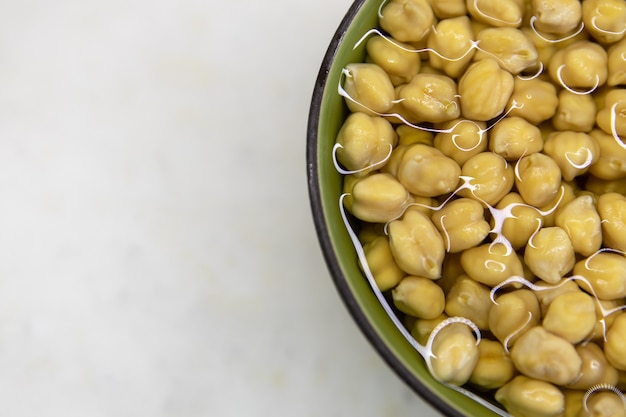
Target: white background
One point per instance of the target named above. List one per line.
(157, 254)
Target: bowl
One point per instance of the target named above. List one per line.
(327, 113)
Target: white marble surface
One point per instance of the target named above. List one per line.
(157, 252)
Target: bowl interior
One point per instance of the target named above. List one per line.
(327, 113)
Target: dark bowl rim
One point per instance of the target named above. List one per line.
(332, 262)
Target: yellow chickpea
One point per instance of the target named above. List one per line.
(380, 261)
(462, 224)
(419, 297)
(461, 139)
(447, 9)
(485, 89)
(548, 292)
(528, 397)
(378, 198)
(535, 100)
(470, 299)
(550, 254)
(574, 152)
(502, 13)
(430, 98)
(369, 88)
(416, 245)
(581, 221)
(520, 220)
(617, 64)
(455, 354)
(451, 45)
(559, 17)
(515, 313)
(605, 403)
(595, 369)
(615, 345)
(510, 47)
(612, 211)
(494, 367)
(514, 137)
(422, 161)
(605, 273)
(613, 115)
(396, 58)
(572, 316)
(611, 164)
(575, 112)
(491, 177)
(538, 179)
(407, 20)
(598, 186)
(582, 65)
(421, 329)
(491, 264)
(605, 20)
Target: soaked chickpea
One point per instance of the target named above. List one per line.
(370, 89)
(535, 100)
(617, 64)
(422, 161)
(494, 367)
(430, 98)
(451, 45)
(462, 224)
(514, 314)
(419, 297)
(510, 47)
(502, 13)
(581, 65)
(461, 139)
(605, 19)
(396, 58)
(612, 211)
(559, 17)
(527, 397)
(538, 179)
(515, 137)
(574, 152)
(575, 112)
(490, 177)
(407, 20)
(485, 89)
(550, 254)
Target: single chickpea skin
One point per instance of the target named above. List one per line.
(485, 90)
(559, 17)
(430, 98)
(575, 112)
(419, 297)
(491, 178)
(574, 152)
(364, 142)
(581, 221)
(514, 314)
(527, 397)
(470, 299)
(502, 13)
(396, 58)
(611, 164)
(455, 354)
(538, 179)
(605, 20)
(518, 220)
(494, 367)
(416, 245)
(542, 355)
(572, 316)
(514, 137)
(581, 65)
(407, 20)
(511, 48)
(422, 161)
(378, 198)
(615, 344)
(595, 370)
(462, 224)
(617, 64)
(605, 272)
(451, 45)
(613, 114)
(461, 139)
(369, 88)
(612, 211)
(383, 267)
(535, 100)
(491, 264)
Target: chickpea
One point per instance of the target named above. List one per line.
(369, 87)
(617, 64)
(615, 344)
(612, 211)
(485, 89)
(422, 161)
(419, 297)
(510, 47)
(380, 261)
(446, 9)
(491, 264)
(408, 135)
(573, 402)
(581, 221)
(566, 194)
(572, 316)
(491, 177)
(407, 20)
(574, 152)
(614, 108)
(605, 20)
(595, 370)
(545, 48)
(494, 367)
(522, 222)
(549, 292)
(396, 58)
(550, 254)
(451, 45)
(604, 321)
(422, 328)
(462, 224)
(514, 314)
(599, 186)
(461, 139)
(611, 164)
(378, 198)
(527, 397)
(583, 64)
(538, 180)
(558, 17)
(535, 100)
(430, 98)
(605, 403)
(514, 137)
(416, 245)
(606, 274)
(365, 141)
(501, 13)
(575, 112)
(470, 299)
(455, 354)
(451, 271)
(545, 356)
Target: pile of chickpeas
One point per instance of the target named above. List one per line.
(483, 160)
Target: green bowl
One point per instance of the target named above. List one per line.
(326, 116)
